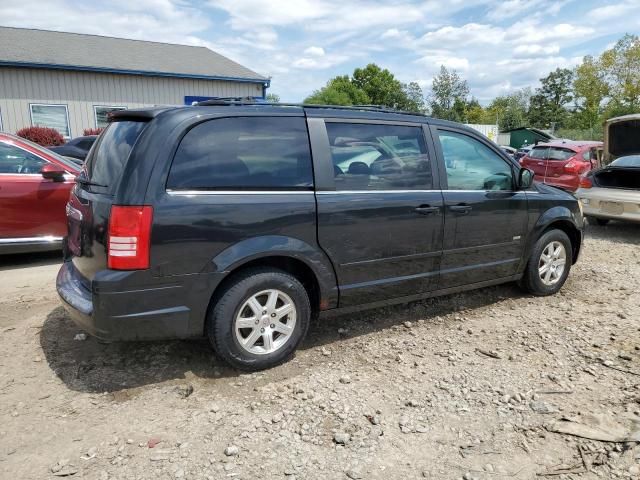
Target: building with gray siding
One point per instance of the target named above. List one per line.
(71, 81)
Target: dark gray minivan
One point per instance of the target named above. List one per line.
(241, 222)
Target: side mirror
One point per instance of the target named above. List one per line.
(52, 172)
(525, 178)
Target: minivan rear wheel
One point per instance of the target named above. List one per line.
(259, 319)
(549, 264)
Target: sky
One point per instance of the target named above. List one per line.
(497, 45)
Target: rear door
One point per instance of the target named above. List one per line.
(485, 216)
(30, 205)
(379, 207)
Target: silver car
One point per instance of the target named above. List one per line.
(613, 192)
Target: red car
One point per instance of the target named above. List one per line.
(34, 189)
(561, 163)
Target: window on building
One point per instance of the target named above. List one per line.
(471, 165)
(17, 161)
(251, 153)
(379, 157)
(102, 112)
(52, 116)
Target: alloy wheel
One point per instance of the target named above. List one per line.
(265, 322)
(552, 263)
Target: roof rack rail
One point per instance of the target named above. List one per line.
(250, 101)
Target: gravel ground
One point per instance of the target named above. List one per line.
(464, 386)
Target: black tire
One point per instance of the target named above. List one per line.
(222, 315)
(531, 281)
(600, 221)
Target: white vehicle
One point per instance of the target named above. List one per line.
(613, 192)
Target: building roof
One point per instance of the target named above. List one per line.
(537, 131)
(23, 47)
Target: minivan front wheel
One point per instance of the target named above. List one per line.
(549, 264)
(259, 319)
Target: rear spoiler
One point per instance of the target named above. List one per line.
(137, 114)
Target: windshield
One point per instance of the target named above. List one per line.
(630, 161)
(45, 151)
(107, 159)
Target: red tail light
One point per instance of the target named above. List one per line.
(129, 237)
(585, 182)
(572, 167)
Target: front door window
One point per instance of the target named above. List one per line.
(471, 165)
(14, 160)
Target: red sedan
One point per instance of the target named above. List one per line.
(34, 189)
(561, 163)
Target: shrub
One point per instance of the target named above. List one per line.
(45, 136)
(92, 131)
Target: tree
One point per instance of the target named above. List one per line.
(474, 113)
(622, 69)
(273, 98)
(590, 89)
(380, 85)
(548, 105)
(339, 91)
(510, 111)
(448, 93)
(414, 98)
(370, 85)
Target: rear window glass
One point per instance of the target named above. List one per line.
(106, 163)
(539, 153)
(556, 153)
(243, 153)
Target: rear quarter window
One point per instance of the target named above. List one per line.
(106, 162)
(259, 153)
(539, 153)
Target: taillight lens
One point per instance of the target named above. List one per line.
(585, 182)
(129, 237)
(572, 167)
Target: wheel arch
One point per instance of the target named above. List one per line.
(560, 218)
(572, 232)
(296, 257)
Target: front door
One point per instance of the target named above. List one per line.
(485, 216)
(30, 206)
(380, 220)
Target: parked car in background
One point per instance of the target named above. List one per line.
(562, 163)
(241, 222)
(613, 192)
(522, 151)
(509, 150)
(76, 147)
(34, 190)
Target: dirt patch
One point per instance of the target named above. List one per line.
(460, 386)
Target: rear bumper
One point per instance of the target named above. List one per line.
(111, 310)
(77, 300)
(609, 203)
